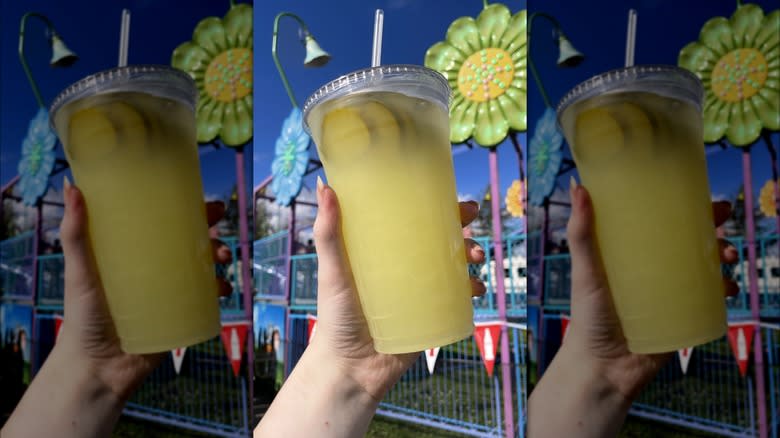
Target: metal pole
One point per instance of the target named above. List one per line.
(27, 71)
(540, 321)
(506, 375)
(246, 279)
(285, 82)
(755, 309)
(36, 251)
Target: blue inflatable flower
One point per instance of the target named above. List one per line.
(292, 157)
(37, 158)
(546, 156)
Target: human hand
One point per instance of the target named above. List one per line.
(342, 331)
(88, 335)
(595, 336)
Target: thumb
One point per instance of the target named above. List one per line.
(588, 274)
(80, 271)
(334, 273)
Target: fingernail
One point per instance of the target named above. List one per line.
(65, 187)
(572, 184)
(320, 184)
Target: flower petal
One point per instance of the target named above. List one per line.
(236, 125)
(745, 23)
(769, 35)
(513, 105)
(515, 35)
(463, 116)
(492, 23)
(767, 105)
(744, 125)
(716, 34)
(210, 35)
(209, 119)
(464, 35)
(697, 58)
(238, 25)
(492, 126)
(190, 58)
(445, 59)
(716, 120)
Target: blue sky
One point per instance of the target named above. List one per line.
(598, 29)
(346, 32)
(91, 29)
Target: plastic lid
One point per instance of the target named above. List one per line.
(412, 80)
(666, 80)
(159, 80)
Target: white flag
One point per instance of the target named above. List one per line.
(430, 358)
(178, 357)
(685, 357)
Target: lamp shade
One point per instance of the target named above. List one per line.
(61, 56)
(568, 56)
(315, 56)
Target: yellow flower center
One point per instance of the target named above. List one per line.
(229, 76)
(739, 75)
(485, 75)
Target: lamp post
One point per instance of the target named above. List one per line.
(568, 57)
(61, 57)
(315, 57)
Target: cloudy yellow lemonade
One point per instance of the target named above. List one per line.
(641, 156)
(134, 157)
(387, 156)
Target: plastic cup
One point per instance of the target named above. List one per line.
(383, 137)
(636, 136)
(129, 136)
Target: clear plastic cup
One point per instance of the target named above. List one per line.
(383, 136)
(636, 136)
(129, 136)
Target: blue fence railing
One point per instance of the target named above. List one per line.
(557, 279)
(16, 266)
(269, 266)
(303, 294)
(459, 396)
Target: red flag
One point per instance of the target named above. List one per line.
(564, 326)
(234, 338)
(430, 358)
(178, 357)
(685, 358)
(312, 326)
(57, 326)
(740, 338)
(487, 336)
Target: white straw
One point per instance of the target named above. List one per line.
(376, 54)
(124, 38)
(631, 37)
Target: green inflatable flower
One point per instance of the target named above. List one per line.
(738, 61)
(484, 61)
(219, 59)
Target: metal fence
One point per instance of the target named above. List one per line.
(16, 266)
(269, 266)
(459, 396)
(557, 279)
(772, 337)
(303, 295)
(206, 396)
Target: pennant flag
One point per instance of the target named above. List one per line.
(312, 326)
(487, 336)
(234, 338)
(740, 338)
(57, 326)
(178, 357)
(430, 358)
(564, 326)
(685, 357)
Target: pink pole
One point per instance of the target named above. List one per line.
(246, 278)
(755, 305)
(506, 376)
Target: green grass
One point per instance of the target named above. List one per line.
(129, 427)
(386, 428)
(641, 428)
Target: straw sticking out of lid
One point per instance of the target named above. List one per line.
(631, 37)
(376, 53)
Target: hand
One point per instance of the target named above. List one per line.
(342, 331)
(88, 334)
(595, 331)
